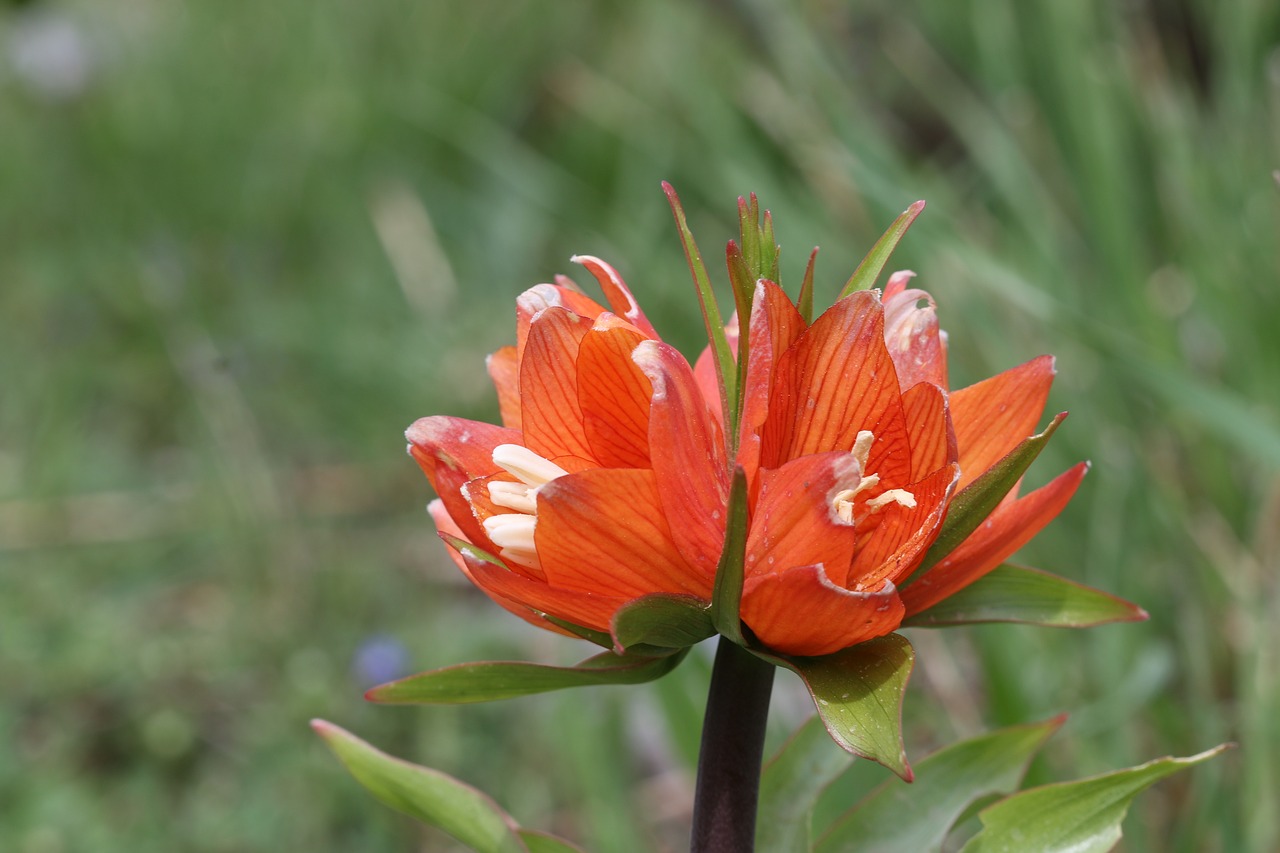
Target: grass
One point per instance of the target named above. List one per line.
(260, 241)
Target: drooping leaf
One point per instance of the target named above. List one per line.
(790, 784)
(869, 270)
(726, 595)
(662, 620)
(1080, 817)
(430, 796)
(1012, 593)
(946, 783)
(492, 680)
(858, 693)
(975, 502)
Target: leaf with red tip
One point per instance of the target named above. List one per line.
(858, 693)
(1011, 593)
(868, 271)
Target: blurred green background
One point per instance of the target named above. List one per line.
(243, 245)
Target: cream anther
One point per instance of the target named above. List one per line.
(513, 533)
(899, 496)
(843, 501)
(525, 465)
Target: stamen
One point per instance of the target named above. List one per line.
(525, 465)
(899, 496)
(515, 496)
(513, 534)
(843, 502)
(862, 448)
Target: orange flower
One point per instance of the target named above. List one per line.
(609, 479)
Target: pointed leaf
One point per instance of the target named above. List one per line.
(1012, 593)
(946, 783)
(662, 620)
(1080, 817)
(491, 680)
(869, 270)
(545, 842)
(790, 785)
(804, 302)
(858, 692)
(726, 596)
(975, 501)
(430, 796)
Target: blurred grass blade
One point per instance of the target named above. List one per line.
(946, 784)
(661, 620)
(492, 680)
(1012, 593)
(542, 842)
(1072, 817)
(430, 796)
(790, 785)
(869, 270)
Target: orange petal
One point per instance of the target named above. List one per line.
(794, 522)
(933, 442)
(453, 451)
(775, 325)
(704, 370)
(801, 612)
(542, 296)
(603, 531)
(504, 371)
(550, 416)
(689, 463)
(835, 380)
(614, 395)
(915, 342)
(1007, 529)
(482, 507)
(993, 415)
(617, 293)
(902, 534)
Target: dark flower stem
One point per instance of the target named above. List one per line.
(724, 805)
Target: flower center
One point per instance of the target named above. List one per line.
(843, 502)
(513, 532)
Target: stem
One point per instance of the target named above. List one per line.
(724, 805)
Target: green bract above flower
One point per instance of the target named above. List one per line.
(610, 477)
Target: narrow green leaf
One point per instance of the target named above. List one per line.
(544, 842)
(744, 288)
(662, 620)
(749, 228)
(946, 783)
(492, 680)
(430, 796)
(1080, 817)
(790, 784)
(869, 270)
(1012, 593)
(724, 362)
(858, 692)
(805, 301)
(975, 502)
(769, 249)
(726, 595)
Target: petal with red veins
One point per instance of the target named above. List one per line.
(588, 609)
(801, 612)
(794, 522)
(617, 294)
(604, 531)
(614, 395)
(690, 471)
(933, 442)
(704, 370)
(993, 415)
(1007, 529)
(775, 325)
(550, 415)
(902, 534)
(543, 296)
(452, 451)
(917, 345)
(504, 370)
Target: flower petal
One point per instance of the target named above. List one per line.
(550, 415)
(775, 325)
(902, 534)
(933, 441)
(503, 367)
(614, 394)
(917, 345)
(691, 472)
(617, 293)
(538, 298)
(1007, 529)
(794, 522)
(452, 451)
(604, 531)
(704, 370)
(588, 609)
(801, 612)
(993, 415)
(835, 380)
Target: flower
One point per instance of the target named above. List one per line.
(610, 477)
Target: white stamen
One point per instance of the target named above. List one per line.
(513, 534)
(525, 465)
(843, 502)
(862, 448)
(899, 496)
(515, 496)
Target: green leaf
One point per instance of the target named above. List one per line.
(726, 595)
(491, 680)
(804, 302)
(946, 783)
(662, 620)
(975, 502)
(427, 795)
(1080, 817)
(543, 842)
(858, 692)
(869, 270)
(1012, 593)
(725, 367)
(791, 783)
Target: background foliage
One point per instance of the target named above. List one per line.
(242, 245)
